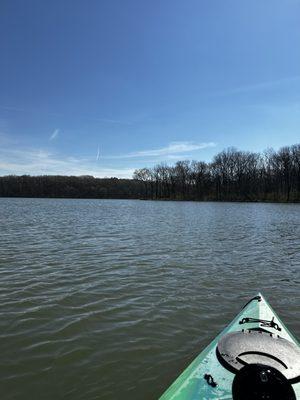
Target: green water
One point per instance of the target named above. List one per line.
(111, 299)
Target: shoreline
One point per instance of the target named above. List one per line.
(155, 200)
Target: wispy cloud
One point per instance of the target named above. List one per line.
(8, 108)
(98, 154)
(43, 162)
(95, 118)
(54, 134)
(33, 161)
(259, 86)
(174, 148)
(108, 120)
(5, 139)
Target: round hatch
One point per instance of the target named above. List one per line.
(237, 349)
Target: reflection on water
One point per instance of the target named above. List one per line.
(111, 299)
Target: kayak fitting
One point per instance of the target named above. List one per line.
(261, 382)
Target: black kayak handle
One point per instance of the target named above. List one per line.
(258, 298)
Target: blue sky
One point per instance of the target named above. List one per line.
(104, 87)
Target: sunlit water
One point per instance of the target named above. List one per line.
(111, 299)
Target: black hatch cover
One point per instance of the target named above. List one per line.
(237, 349)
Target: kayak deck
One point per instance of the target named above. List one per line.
(197, 380)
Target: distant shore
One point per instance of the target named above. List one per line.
(87, 187)
(233, 175)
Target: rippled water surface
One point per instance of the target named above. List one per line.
(111, 299)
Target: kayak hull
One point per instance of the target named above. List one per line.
(198, 380)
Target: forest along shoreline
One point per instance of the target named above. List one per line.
(233, 175)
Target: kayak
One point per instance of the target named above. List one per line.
(255, 357)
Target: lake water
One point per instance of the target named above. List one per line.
(111, 299)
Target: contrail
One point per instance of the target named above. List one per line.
(98, 154)
(54, 134)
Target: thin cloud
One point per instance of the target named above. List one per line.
(7, 108)
(108, 120)
(6, 139)
(33, 161)
(54, 134)
(80, 116)
(258, 86)
(43, 162)
(174, 148)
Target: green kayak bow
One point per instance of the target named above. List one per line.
(255, 357)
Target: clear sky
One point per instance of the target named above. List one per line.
(102, 87)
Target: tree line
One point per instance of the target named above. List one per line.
(232, 175)
(69, 187)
